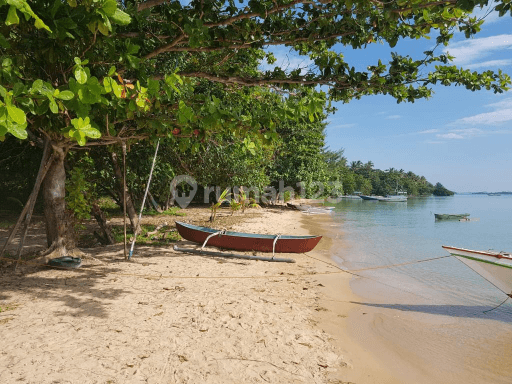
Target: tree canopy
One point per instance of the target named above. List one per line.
(81, 70)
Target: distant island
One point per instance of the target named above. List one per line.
(491, 193)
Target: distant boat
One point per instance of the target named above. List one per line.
(355, 195)
(399, 197)
(495, 267)
(247, 241)
(374, 198)
(314, 210)
(494, 194)
(451, 216)
(358, 197)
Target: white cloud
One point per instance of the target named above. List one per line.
(467, 52)
(468, 133)
(434, 142)
(428, 131)
(393, 117)
(344, 126)
(449, 136)
(491, 64)
(502, 113)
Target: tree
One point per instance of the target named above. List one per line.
(97, 72)
(440, 190)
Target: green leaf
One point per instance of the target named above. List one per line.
(65, 95)
(109, 7)
(104, 30)
(91, 132)
(39, 24)
(12, 16)
(80, 75)
(36, 86)
(53, 105)
(121, 17)
(16, 114)
(17, 130)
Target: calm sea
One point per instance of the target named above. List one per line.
(447, 299)
(381, 234)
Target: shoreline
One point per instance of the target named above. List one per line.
(338, 299)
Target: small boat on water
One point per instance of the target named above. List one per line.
(495, 267)
(399, 197)
(374, 198)
(451, 216)
(247, 241)
(314, 210)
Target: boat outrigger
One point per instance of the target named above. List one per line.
(495, 267)
(247, 241)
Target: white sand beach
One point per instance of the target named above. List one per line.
(168, 317)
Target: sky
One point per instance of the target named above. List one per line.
(459, 138)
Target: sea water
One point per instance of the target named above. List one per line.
(394, 248)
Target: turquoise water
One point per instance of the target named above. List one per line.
(382, 234)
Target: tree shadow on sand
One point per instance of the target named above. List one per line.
(86, 291)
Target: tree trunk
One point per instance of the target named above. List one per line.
(130, 208)
(154, 202)
(108, 237)
(59, 228)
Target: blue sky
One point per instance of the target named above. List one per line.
(458, 137)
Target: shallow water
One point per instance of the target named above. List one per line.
(445, 303)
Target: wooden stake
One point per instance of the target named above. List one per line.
(29, 206)
(123, 144)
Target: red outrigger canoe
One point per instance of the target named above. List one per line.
(247, 241)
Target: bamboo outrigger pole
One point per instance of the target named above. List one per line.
(233, 255)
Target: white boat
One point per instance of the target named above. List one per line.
(399, 197)
(374, 198)
(314, 210)
(495, 267)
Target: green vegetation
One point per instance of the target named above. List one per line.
(78, 75)
(142, 238)
(440, 190)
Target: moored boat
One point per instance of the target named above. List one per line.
(399, 197)
(451, 216)
(495, 267)
(374, 198)
(393, 199)
(247, 241)
(313, 209)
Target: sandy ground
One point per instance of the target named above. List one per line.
(169, 317)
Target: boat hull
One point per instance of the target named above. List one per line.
(393, 199)
(495, 267)
(450, 216)
(373, 198)
(247, 241)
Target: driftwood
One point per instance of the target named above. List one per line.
(158, 228)
(154, 203)
(108, 237)
(165, 233)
